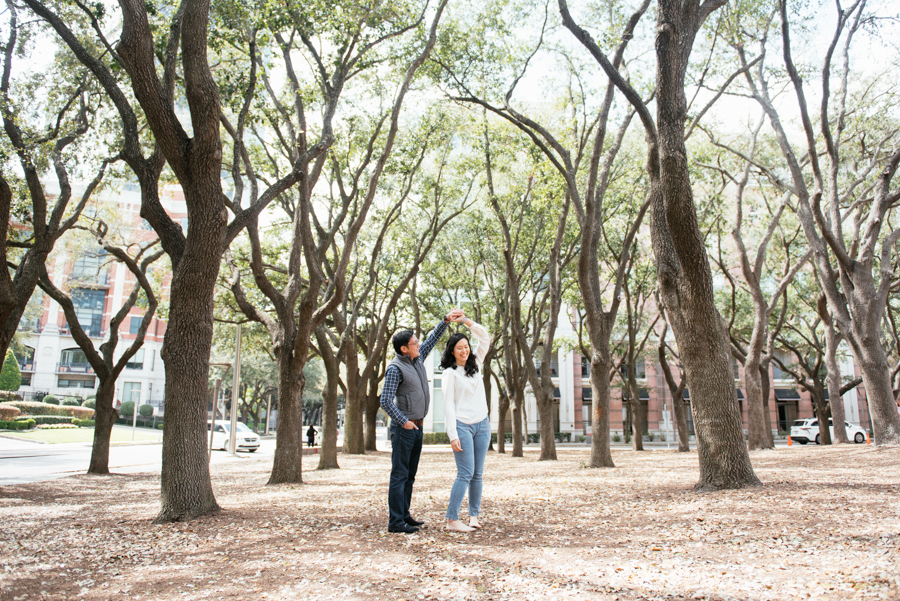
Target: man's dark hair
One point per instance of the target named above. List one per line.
(401, 338)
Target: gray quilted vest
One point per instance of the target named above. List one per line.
(412, 395)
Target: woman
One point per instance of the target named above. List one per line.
(466, 416)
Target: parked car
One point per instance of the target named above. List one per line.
(807, 430)
(246, 439)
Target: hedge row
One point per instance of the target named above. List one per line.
(9, 395)
(17, 425)
(8, 412)
(48, 419)
(33, 408)
(83, 423)
(435, 438)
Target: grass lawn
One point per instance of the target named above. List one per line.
(119, 434)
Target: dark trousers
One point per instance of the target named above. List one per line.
(406, 447)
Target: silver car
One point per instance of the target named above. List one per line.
(246, 439)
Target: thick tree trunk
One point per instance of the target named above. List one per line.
(105, 416)
(822, 412)
(757, 438)
(876, 378)
(601, 454)
(517, 430)
(548, 438)
(287, 465)
(354, 439)
(186, 487)
(685, 278)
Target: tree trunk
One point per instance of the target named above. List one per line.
(517, 430)
(601, 454)
(766, 390)
(328, 451)
(548, 438)
(635, 410)
(822, 412)
(354, 439)
(684, 437)
(503, 406)
(287, 465)
(105, 416)
(833, 375)
(685, 278)
(186, 488)
(756, 418)
(876, 378)
(373, 404)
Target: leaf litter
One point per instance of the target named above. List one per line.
(825, 525)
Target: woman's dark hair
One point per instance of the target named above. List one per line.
(448, 360)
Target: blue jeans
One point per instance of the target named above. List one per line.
(406, 447)
(474, 439)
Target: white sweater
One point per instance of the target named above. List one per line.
(464, 397)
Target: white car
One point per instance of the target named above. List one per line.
(246, 439)
(807, 430)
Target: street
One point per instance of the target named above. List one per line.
(24, 461)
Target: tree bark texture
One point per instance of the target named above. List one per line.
(105, 416)
(833, 371)
(287, 465)
(328, 450)
(685, 278)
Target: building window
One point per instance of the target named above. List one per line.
(556, 394)
(135, 325)
(73, 360)
(587, 394)
(137, 361)
(585, 367)
(69, 382)
(131, 391)
(89, 309)
(26, 380)
(26, 363)
(88, 268)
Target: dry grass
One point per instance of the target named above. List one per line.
(825, 525)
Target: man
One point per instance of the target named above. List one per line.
(406, 382)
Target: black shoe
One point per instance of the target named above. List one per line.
(404, 528)
(413, 521)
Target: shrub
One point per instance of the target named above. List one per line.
(9, 412)
(616, 437)
(3, 424)
(582, 438)
(50, 400)
(435, 438)
(48, 419)
(9, 395)
(83, 423)
(90, 403)
(534, 438)
(71, 401)
(127, 409)
(159, 426)
(146, 410)
(16, 425)
(10, 375)
(563, 436)
(32, 408)
(507, 437)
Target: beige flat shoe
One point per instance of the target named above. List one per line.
(458, 526)
(473, 522)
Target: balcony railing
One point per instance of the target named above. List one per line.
(26, 365)
(554, 368)
(74, 368)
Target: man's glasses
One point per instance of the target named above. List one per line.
(412, 343)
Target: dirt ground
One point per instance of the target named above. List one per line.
(826, 525)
